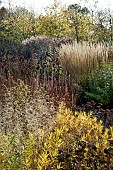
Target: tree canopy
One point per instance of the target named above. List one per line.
(73, 21)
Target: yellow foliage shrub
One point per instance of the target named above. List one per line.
(72, 141)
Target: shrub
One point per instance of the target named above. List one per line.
(47, 51)
(100, 85)
(8, 47)
(72, 141)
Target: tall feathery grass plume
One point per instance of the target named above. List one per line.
(80, 59)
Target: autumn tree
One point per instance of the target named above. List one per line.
(80, 21)
(54, 22)
(19, 25)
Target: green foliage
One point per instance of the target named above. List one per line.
(3, 13)
(78, 8)
(11, 156)
(15, 27)
(80, 22)
(58, 21)
(18, 25)
(8, 48)
(100, 84)
(54, 23)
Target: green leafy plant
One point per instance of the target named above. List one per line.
(100, 84)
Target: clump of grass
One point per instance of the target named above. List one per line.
(80, 59)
